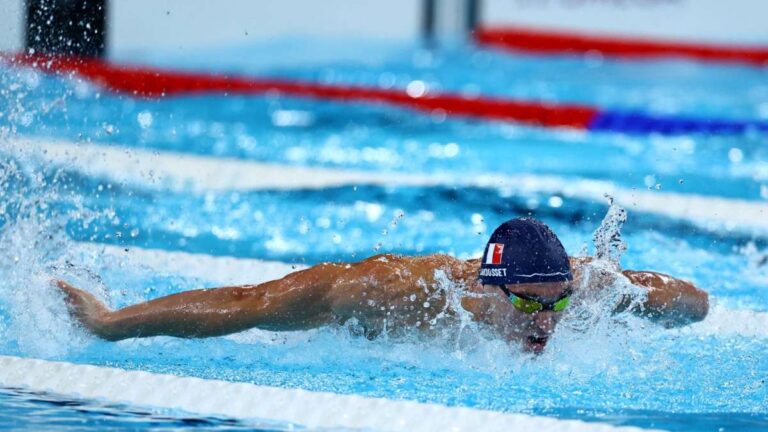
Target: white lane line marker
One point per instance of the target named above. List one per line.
(183, 172)
(224, 270)
(241, 400)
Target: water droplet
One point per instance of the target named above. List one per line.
(649, 180)
(451, 150)
(145, 119)
(735, 155)
(555, 201)
(416, 88)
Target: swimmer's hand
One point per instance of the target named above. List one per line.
(86, 309)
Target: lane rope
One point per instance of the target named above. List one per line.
(144, 81)
(314, 410)
(199, 174)
(561, 42)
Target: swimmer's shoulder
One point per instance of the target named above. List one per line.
(386, 262)
(441, 259)
(438, 259)
(455, 268)
(384, 258)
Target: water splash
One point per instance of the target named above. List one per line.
(603, 287)
(36, 205)
(593, 320)
(458, 328)
(607, 238)
(29, 237)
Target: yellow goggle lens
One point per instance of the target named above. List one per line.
(561, 304)
(532, 306)
(523, 305)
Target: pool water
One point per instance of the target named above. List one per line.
(25, 410)
(619, 369)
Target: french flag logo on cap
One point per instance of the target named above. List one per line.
(494, 253)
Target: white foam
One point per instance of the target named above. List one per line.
(183, 172)
(241, 400)
(724, 322)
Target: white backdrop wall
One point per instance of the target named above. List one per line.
(11, 25)
(140, 25)
(167, 24)
(735, 21)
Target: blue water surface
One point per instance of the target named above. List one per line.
(22, 410)
(622, 370)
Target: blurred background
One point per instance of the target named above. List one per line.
(154, 146)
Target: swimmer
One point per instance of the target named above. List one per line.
(519, 289)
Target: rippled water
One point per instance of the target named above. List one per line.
(33, 411)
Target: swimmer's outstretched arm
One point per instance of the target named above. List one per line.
(295, 302)
(671, 301)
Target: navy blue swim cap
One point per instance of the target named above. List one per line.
(524, 250)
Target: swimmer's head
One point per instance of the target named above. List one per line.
(527, 262)
(524, 251)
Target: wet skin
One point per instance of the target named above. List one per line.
(384, 293)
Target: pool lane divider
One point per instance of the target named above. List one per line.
(149, 82)
(542, 41)
(313, 410)
(221, 270)
(153, 82)
(179, 172)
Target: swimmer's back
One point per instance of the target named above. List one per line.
(386, 285)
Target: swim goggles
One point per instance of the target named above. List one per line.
(532, 304)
